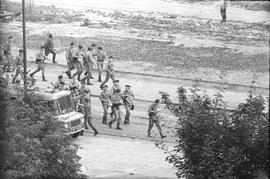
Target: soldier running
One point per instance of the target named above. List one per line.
(40, 59)
(7, 53)
(116, 107)
(85, 101)
(69, 59)
(78, 56)
(88, 63)
(19, 63)
(101, 57)
(154, 115)
(128, 97)
(49, 48)
(109, 71)
(104, 98)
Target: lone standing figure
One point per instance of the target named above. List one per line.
(223, 9)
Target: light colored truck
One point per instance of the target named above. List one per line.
(63, 108)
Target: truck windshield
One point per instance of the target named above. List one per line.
(65, 103)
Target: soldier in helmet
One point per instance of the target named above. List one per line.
(19, 63)
(49, 47)
(117, 102)
(40, 60)
(78, 61)
(85, 101)
(104, 98)
(60, 84)
(154, 115)
(69, 59)
(128, 97)
(101, 57)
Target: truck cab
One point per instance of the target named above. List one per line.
(63, 107)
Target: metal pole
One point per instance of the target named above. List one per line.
(24, 50)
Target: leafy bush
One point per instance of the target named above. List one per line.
(35, 144)
(217, 143)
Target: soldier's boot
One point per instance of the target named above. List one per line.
(118, 126)
(110, 124)
(13, 80)
(99, 79)
(43, 78)
(104, 121)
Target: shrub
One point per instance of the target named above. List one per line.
(217, 143)
(35, 145)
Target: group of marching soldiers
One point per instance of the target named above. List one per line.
(83, 61)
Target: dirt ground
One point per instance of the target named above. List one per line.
(117, 157)
(160, 37)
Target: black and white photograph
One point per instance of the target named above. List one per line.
(134, 89)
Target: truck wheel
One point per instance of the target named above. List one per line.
(75, 135)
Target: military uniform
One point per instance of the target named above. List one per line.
(88, 63)
(40, 59)
(49, 49)
(104, 98)
(116, 107)
(101, 56)
(111, 93)
(128, 97)
(19, 70)
(85, 101)
(109, 74)
(70, 62)
(77, 57)
(7, 54)
(153, 113)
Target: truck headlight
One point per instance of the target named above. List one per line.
(82, 120)
(66, 125)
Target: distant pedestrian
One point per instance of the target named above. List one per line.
(85, 101)
(49, 47)
(40, 60)
(70, 62)
(223, 9)
(104, 98)
(154, 115)
(128, 97)
(110, 74)
(101, 57)
(19, 64)
(117, 102)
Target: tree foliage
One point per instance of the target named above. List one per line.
(216, 143)
(35, 143)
